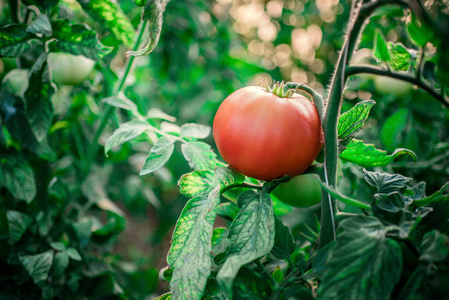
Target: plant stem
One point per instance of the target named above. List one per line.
(354, 70)
(93, 147)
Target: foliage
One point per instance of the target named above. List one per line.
(77, 220)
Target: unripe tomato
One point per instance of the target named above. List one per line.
(16, 81)
(265, 136)
(68, 69)
(300, 191)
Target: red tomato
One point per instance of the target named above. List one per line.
(265, 136)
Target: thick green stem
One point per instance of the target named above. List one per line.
(93, 147)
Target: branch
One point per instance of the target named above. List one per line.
(354, 70)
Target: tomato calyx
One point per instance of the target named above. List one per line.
(279, 89)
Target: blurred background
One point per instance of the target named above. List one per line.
(207, 50)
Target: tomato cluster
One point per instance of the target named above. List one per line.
(266, 136)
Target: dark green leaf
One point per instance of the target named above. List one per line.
(219, 240)
(127, 131)
(284, 244)
(434, 247)
(352, 122)
(251, 236)
(60, 263)
(42, 4)
(18, 223)
(39, 108)
(385, 183)
(199, 155)
(17, 177)
(298, 292)
(434, 197)
(366, 155)
(391, 202)
(77, 40)
(159, 155)
(40, 25)
(196, 183)
(248, 285)
(189, 255)
(419, 32)
(228, 211)
(14, 40)
(364, 262)
(73, 254)
(109, 15)
(392, 128)
(192, 130)
(381, 50)
(38, 266)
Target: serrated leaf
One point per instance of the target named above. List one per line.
(284, 243)
(39, 108)
(392, 202)
(76, 39)
(156, 113)
(352, 122)
(160, 153)
(38, 266)
(364, 262)
(127, 131)
(434, 197)
(196, 183)
(251, 236)
(385, 183)
(111, 18)
(366, 155)
(227, 177)
(18, 178)
(189, 255)
(153, 14)
(40, 25)
(18, 223)
(192, 130)
(199, 155)
(381, 50)
(434, 247)
(400, 57)
(121, 101)
(14, 40)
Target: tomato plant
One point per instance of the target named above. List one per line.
(16, 81)
(267, 135)
(68, 69)
(300, 191)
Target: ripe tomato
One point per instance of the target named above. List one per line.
(265, 136)
(67, 69)
(300, 191)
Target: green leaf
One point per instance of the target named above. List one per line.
(434, 247)
(166, 296)
(127, 131)
(40, 25)
(192, 130)
(392, 128)
(434, 197)
(18, 223)
(284, 243)
(219, 240)
(121, 101)
(12, 112)
(60, 263)
(251, 236)
(419, 32)
(74, 254)
(189, 255)
(381, 50)
(228, 177)
(39, 108)
(42, 4)
(58, 246)
(156, 113)
(385, 183)
(364, 262)
(352, 122)
(400, 57)
(38, 266)
(111, 18)
(366, 155)
(76, 39)
(159, 155)
(199, 155)
(14, 40)
(153, 13)
(228, 211)
(249, 284)
(17, 177)
(392, 202)
(196, 183)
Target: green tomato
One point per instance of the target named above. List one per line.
(300, 191)
(16, 81)
(68, 69)
(387, 85)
